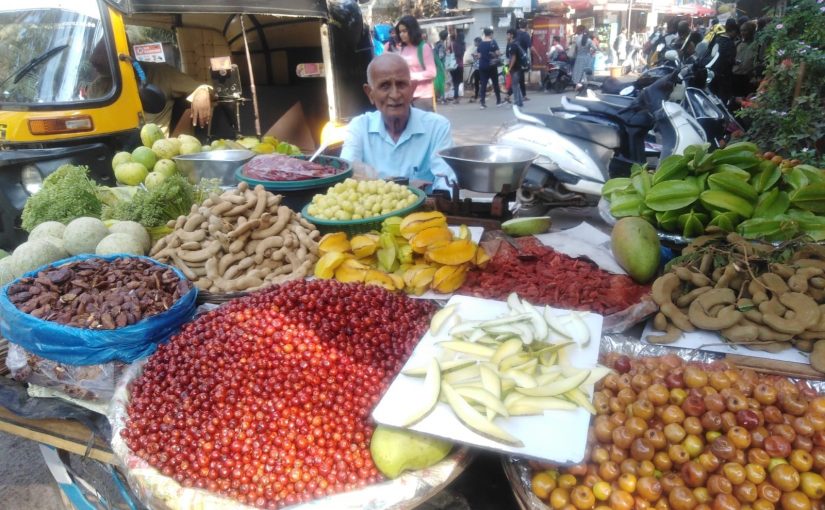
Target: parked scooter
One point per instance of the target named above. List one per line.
(558, 76)
(577, 157)
(631, 85)
(708, 110)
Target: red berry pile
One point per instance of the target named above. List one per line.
(267, 399)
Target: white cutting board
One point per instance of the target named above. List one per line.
(558, 436)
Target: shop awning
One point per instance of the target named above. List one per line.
(446, 21)
(311, 8)
(579, 5)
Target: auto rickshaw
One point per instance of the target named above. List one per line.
(262, 58)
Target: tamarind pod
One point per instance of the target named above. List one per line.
(727, 276)
(672, 333)
(706, 263)
(742, 331)
(687, 299)
(660, 321)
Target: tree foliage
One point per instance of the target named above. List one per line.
(793, 126)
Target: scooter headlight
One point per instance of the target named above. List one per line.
(31, 179)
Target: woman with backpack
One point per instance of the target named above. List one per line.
(419, 57)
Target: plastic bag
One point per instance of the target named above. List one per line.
(86, 382)
(79, 346)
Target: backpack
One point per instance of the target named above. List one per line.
(440, 75)
(524, 63)
(571, 50)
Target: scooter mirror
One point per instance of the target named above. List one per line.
(152, 98)
(626, 91)
(672, 55)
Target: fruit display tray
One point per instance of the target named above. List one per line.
(354, 227)
(558, 436)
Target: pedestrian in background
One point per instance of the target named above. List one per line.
(584, 58)
(457, 48)
(489, 58)
(526, 43)
(747, 52)
(440, 53)
(516, 64)
(475, 79)
(419, 56)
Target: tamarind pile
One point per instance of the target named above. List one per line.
(755, 294)
(241, 240)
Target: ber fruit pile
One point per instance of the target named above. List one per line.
(267, 399)
(683, 436)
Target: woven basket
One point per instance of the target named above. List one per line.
(354, 227)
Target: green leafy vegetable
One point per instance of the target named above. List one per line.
(172, 198)
(67, 193)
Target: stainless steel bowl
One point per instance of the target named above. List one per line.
(213, 165)
(487, 168)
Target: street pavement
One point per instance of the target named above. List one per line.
(25, 482)
(472, 125)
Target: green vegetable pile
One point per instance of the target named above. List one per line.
(172, 198)
(67, 193)
(732, 189)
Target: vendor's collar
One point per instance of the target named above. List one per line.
(414, 126)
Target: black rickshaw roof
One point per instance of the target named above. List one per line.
(310, 8)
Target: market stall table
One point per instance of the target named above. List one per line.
(68, 435)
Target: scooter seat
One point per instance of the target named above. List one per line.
(613, 85)
(602, 135)
(615, 99)
(599, 105)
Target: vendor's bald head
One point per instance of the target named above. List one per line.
(389, 87)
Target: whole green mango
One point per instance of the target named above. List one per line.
(636, 248)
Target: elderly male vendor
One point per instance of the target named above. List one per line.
(397, 140)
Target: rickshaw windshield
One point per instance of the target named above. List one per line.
(54, 51)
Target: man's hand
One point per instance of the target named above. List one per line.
(201, 107)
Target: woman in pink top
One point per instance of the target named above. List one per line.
(419, 57)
